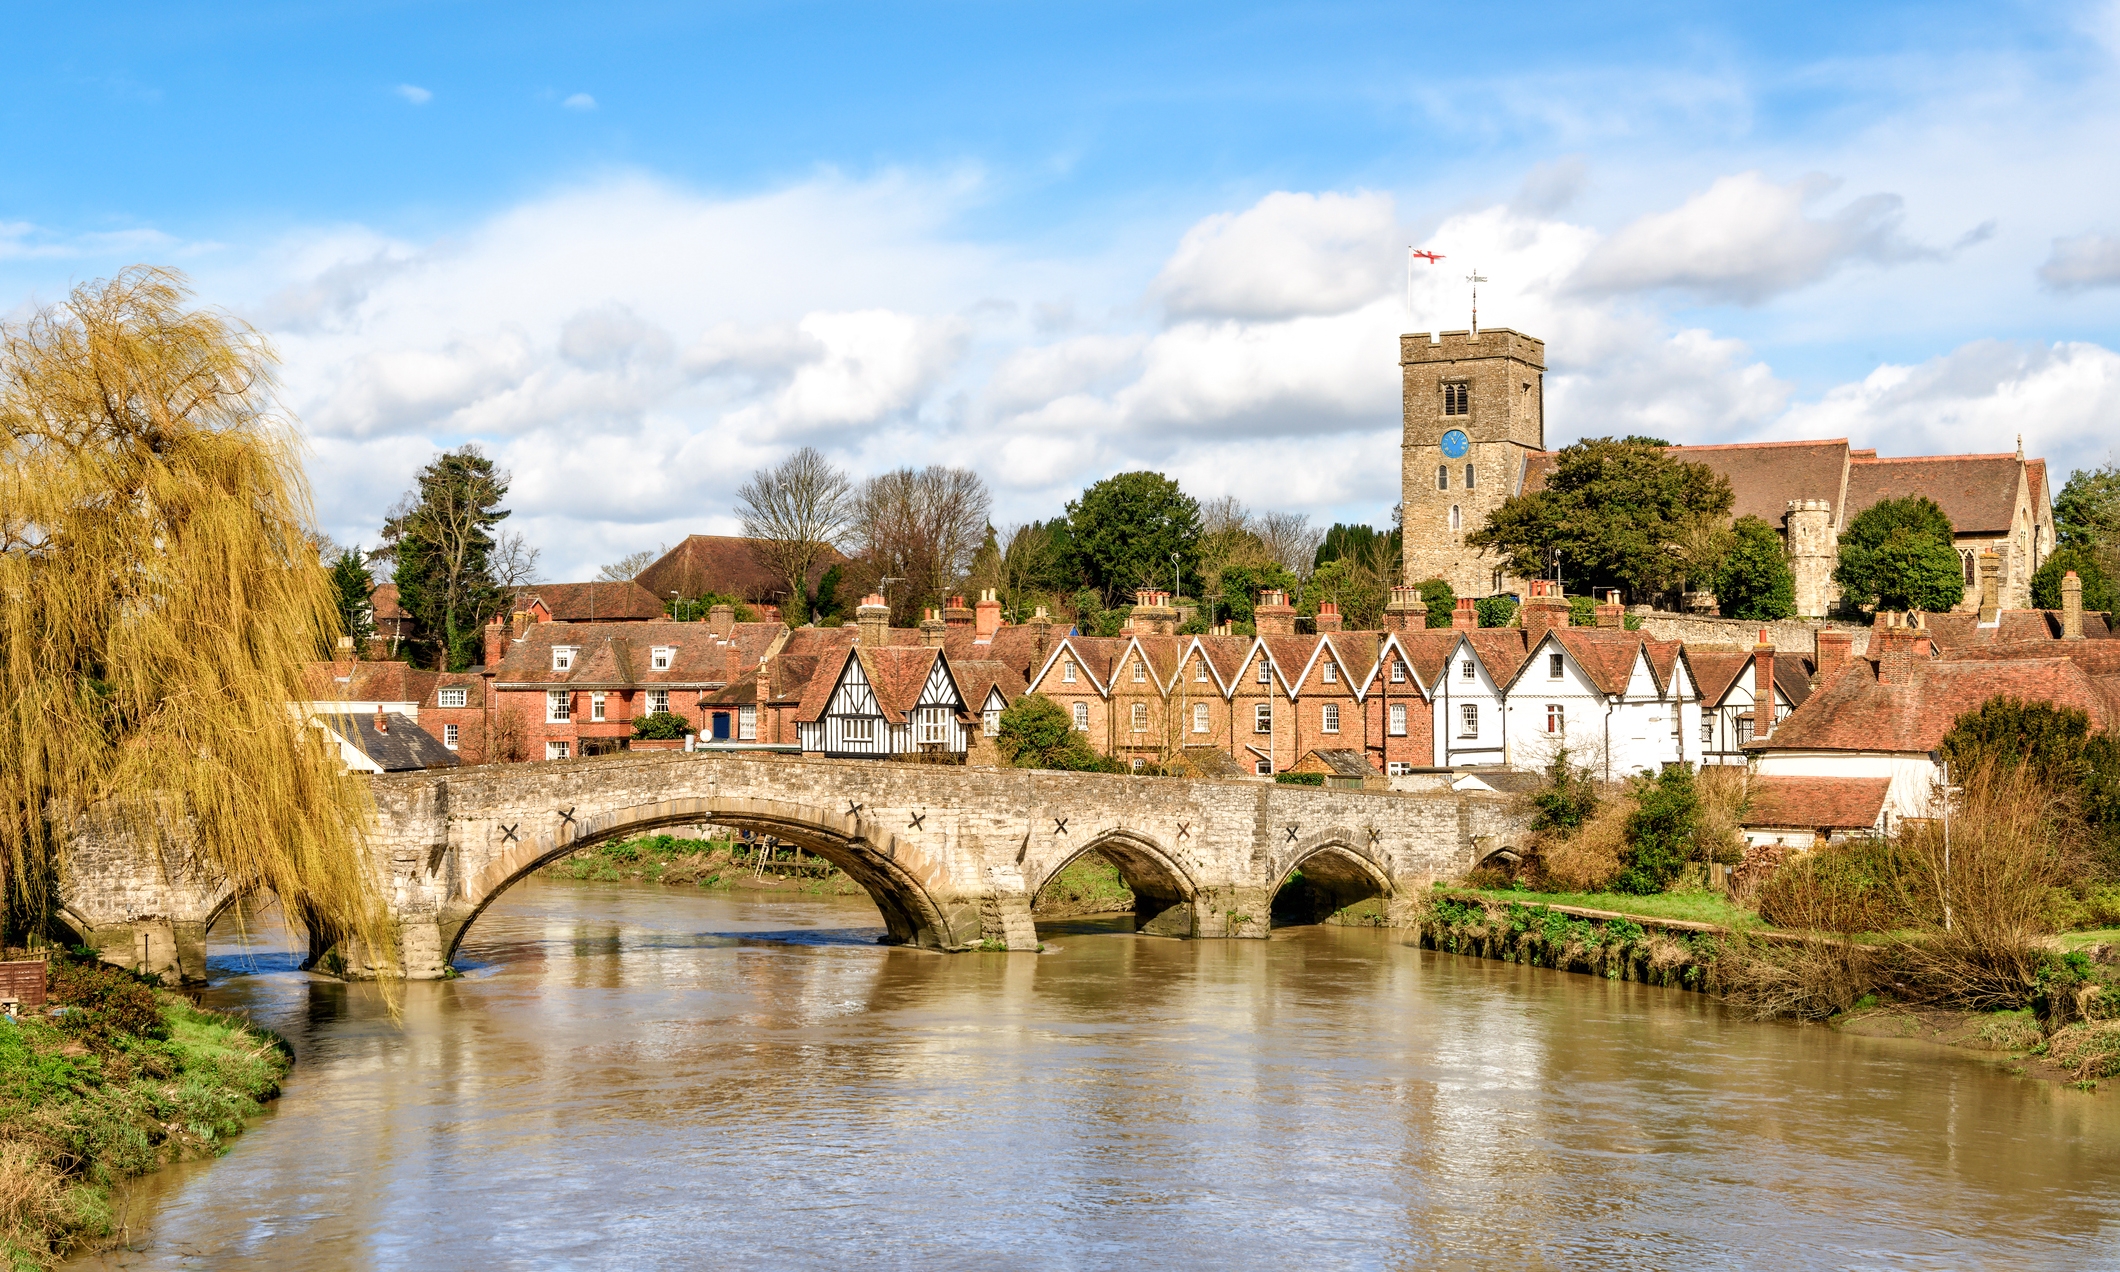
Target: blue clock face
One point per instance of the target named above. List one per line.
(1455, 444)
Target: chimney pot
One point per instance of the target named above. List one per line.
(872, 621)
(1328, 619)
(1545, 609)
(1466, 617)
(721, 619)
(2071, 607)
(1406, 612)
(986, 616)
(1274, 616)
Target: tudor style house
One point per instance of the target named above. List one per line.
(887, 703)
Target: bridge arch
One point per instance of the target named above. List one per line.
(908, 889)
(1164, 889)
(1339, 869)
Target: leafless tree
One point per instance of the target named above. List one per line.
(1027, 565)
(514, 562)
(922, 525)
(1228, 540)
(1291, 539)
(623, 569)
(793, 513)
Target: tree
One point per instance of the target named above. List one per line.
(350, 592)
(1660, 831)
(2087, 511)
(1241, 586)
(922, 526)
(1344, 540)
(160, 604)
(1358, 588)
(1897, 555)
(2098, 590)
(1291, 540)
(793, 513)
(662, 726)
(1754, 582)
(1127, 528)
(440, 536)
(1035, 733)
(1032, 565)
(514, 563)
(623, 569)
(1441, 600)
(1496, 611)
(1226, 541)
(1618, 511)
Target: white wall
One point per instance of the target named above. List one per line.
(1914, 776)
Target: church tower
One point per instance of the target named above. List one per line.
(1475, 407)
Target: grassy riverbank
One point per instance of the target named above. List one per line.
(125, 1080)
(679, 862)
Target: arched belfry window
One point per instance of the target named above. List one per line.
(1442, 476)
(1470, 481)
(1457, 518)
(1457, 399)
(1966, 563)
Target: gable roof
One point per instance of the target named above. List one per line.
(1977, 492)
(1338, 762)
(724, 564)
(620, 654)
(600, 602)
(1606, 657)
(896, 675)
(1961, 629)
(1815, 803)
(362, 681)
(978, 677)
(1856, 711)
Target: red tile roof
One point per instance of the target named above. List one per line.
(1977, 492)
(1765, 476)
(384, 600)
(620, 654)
(370, 682)
(1606, 656)
(600, 602)
(1856, 711)
(1961, 629)
(725, 564)
(977, 677)
(1815, 803)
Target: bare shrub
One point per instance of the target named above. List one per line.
(1722, 789)
(1849, 887)
(1592, 857)
(1809, 980)
(33, 1198)
(2089, 1051)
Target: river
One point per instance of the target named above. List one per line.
(630, 1076)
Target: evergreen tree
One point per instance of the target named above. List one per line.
(1035, 733)
(1126, 528)
(1898, 555)
(1660, 831)
(1441, 600)
(2087, 511)
(351, 588)
(441, 541)
(1754, 582)
(2098, 590)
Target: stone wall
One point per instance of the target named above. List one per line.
(1789, 634)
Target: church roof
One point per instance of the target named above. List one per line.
(1977, 492)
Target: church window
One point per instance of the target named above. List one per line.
(1965, 562)
(1442, 476)
(1470, 482)
(1457, 399)
(1457, 518)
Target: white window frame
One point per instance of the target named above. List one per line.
(931, 725)
(1398, 672)
(1331, 673)
(1466, 670)
(860, 728)
(1262, 768)
(563, 657)
(1556, 666)
(660, 657)
(1329, 717)
(658, 701)
(1262, 717)
(1398, 768)
(747, 724)
(556, 750)
(1067, 671)
(1140, 671)
(1265, 672)
(1081, 714)
(1468, 720)
(1140, 717)
(450, 734)
(990, 722)
(596, 706)
(452, 697)
(1397, 720)
(1199, 717)
(1200, 670)
(1556, 719)
(1707, 728)
(559, 706)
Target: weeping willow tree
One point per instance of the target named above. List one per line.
(158, 598)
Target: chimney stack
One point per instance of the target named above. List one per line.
(1762, 687)
(1898, 647)
(1407, 612)
(2071, 607)
(1832, 653)
(1990, 588)
(986, 617)
(1466, 617)
(382, 722)
(1274, 616)
(1609, 612)
(1545, 609)
(518, 623)
(957, 613)
(496, 641)
(872, 621)
(1328, 619)
(1153, 613)
(933, 630)
(721, 620)
(1041, 626)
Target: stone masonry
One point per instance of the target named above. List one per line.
(952, 856)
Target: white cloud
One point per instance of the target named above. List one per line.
(1288, 254)
(415, 94)
(2088, 260)
(580, 101)
(1744, 239)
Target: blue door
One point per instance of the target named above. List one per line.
(721, 726)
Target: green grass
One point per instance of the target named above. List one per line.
(2084, 940)
(73, 1120)
(1700, 906)
(1087, 885)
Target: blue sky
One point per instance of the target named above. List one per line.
(637, 250)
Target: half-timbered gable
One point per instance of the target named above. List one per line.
(846, 720)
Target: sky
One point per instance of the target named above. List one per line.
(636, 252)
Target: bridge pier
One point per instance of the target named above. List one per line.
(174, 949)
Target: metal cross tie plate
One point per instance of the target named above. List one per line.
(1291, 834)
(508, 834)
(915, 824)
(853, 809)
(1184, 830)
(1059, 825)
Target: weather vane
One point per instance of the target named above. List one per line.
(1475, 278)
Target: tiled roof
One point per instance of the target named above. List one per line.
(897, 675)
(1502, 650)
(1764, 476)
(1962, 630)
(384, 600)
(724, 564)
(621, 653)
(1606, 656)
(386, 681)
(976, 677)
(817, 691)
(1977, 492)
(1815, 803)
(593, 602)
(2096, 657)
(1428, 653)
(1855, 711)
(1339, 762)
(404, 748)
(1717, 669)
(1213, 761)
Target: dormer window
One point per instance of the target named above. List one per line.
(1457, 399)
(452, 697)
(563, 658)
(659, 658)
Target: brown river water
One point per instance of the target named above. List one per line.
(629, 1076)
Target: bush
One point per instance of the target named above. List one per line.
(1898, 555)
(1582, 611)
(1754, 582)
(661, 726)
(1567, 800)
(1851, 887)
(1035, 733)
(1300, 779)
(1441, 600)
(1495, 611)
(2089, 1051)
(2098, 590)
(105, 1003)
(1660, 830)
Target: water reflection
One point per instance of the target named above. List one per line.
(634, 1076)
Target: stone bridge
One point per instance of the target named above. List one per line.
(953, 857)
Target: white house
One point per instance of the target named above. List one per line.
(1621, 703)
